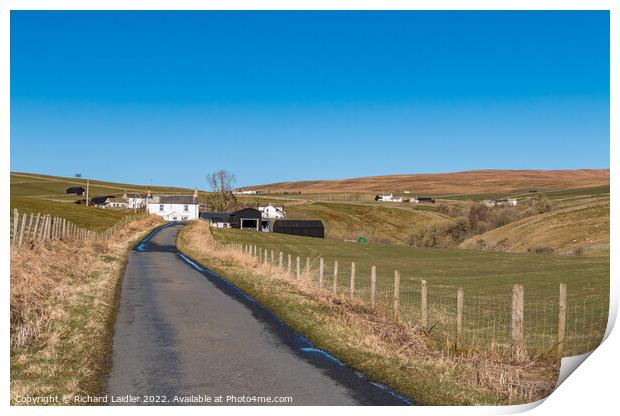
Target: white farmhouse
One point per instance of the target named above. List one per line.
(135, 201)
(270, 211)
(174, 207)
(385, 198)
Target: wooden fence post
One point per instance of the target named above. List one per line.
(35, 232)
(272, 259)
(307, 270)
(352, 288)
(460, 300)
(373, 285)
(298, 268)
(280, 260)
(15, 221)
(396, 292)
(23, 229)
(424, 304)
(321, 272)
(335, 289)
(265, 259)
(561, 323)
(29, 235)
(518, 344)
(288, 269)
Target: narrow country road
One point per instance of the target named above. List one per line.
(183, 331)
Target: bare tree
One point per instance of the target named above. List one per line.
(78, 175)
(221, 181)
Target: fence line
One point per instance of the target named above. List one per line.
(31, 229)
(511, 325)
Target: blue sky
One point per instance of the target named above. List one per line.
(275, 96)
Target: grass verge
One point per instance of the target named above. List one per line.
(386, 351)
(64, 297)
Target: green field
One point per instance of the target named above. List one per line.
(33, 193)
(486, 277)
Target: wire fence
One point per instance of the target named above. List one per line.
(511, 325)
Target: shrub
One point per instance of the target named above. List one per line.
(541, 250)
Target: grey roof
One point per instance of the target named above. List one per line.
(216, 216)
(178, 199)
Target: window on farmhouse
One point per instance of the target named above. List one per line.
(185, 208)
(161, 207)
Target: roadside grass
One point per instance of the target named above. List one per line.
(486, 277)
(64, 297)
(384, 350)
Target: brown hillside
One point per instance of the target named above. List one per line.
(479, 181)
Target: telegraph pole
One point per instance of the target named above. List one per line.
(87, 185)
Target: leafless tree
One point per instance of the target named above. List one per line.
(78, 175)
(221, 181)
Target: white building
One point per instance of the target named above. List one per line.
(510, 202)
(118, 203)
(135, 201)
(270, 211)
(388, 198)
(174, 207)
(246, 192)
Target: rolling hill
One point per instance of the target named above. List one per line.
(469, 182)
(577, 224)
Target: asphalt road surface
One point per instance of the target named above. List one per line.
(183, 334)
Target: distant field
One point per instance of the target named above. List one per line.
(470, 182)
(46, 194)
(377, 223)
(577, 224)
(486, 277)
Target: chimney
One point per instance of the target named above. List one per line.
(195, 192)
(149, 194)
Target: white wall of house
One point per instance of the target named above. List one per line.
(135, 203)
(271, 211)
(174, 212)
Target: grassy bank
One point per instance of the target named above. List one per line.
(63, 304)
(385, 350)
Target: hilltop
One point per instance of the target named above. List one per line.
(468, 182)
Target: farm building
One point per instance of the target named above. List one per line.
(118, 203)
(100, 201)
(174, 207)
(388, 198)
(271, 211)
(420, 200)
(246, 218)
(511, 202)
(216, 219)
(76, 190)
(306, 228)
(135, 201)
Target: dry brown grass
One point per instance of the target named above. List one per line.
(63, 299)
(385, 349)
(479, 181)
